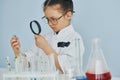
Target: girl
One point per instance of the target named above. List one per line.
(59, 42)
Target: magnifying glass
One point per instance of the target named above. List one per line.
(35, 27)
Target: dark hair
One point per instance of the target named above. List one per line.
(66, 5)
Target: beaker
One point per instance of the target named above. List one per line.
(34, 63)
(97, 68)
(21, 63)
(79, 61)
(52, 63)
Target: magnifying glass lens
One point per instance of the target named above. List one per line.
(35, 27)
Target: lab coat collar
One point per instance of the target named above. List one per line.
(65, 30)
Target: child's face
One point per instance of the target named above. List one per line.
(56, 20)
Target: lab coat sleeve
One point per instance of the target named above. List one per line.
(31, 51)
(34, 50)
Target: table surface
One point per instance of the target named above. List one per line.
(5, 74)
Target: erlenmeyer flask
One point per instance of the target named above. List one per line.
(97, 68)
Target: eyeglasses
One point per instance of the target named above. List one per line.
(54, 21)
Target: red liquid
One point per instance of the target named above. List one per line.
(104, 76)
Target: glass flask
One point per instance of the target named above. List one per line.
(79, 61)
(21, 63)
(52, 64)
(8, 63)
(97, 68)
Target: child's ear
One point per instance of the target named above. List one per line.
(68, 15)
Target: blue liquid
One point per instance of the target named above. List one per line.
(81, 78)
(33, 79)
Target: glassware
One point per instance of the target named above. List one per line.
(97, 68)
(21, 63)
(8, 63)
(52, 63)
(80, 74)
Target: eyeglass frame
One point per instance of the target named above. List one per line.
(54, 21)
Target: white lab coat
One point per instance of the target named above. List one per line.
(66, 55)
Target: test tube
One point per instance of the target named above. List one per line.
(8, 63)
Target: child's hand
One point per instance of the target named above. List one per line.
(15, 44)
